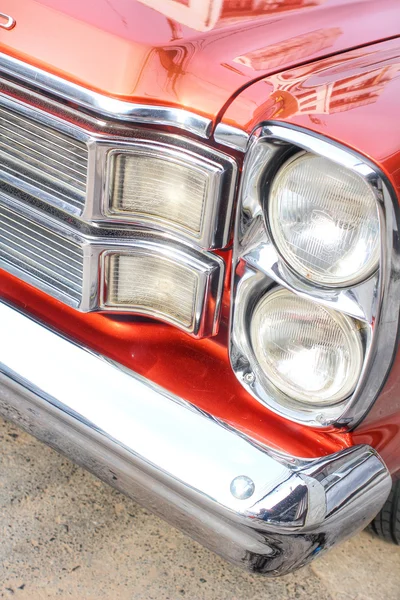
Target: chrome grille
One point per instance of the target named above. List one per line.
(54, 195)
(42, 161)
(30, 249)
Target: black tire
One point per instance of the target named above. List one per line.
(387, 523)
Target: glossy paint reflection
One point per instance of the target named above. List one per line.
(343, 97)
(337, 84)
(204, 15)
(128, 49)
(198, 371)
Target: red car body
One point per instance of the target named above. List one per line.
(331, 67)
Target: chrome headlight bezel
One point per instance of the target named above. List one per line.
(258, 266)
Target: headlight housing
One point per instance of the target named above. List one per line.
(315, 278)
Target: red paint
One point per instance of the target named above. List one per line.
(125, 48)
(351, 98)
(381, 427)
(197, 370)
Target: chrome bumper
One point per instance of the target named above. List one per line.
(180, 462)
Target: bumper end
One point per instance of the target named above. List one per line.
(178, 461)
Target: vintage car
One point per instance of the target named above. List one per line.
(199, 253)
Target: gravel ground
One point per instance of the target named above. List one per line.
(64, 534)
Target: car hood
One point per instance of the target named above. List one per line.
(196, 54)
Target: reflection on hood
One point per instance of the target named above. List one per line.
(204, 15)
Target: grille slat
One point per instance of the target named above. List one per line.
(37, 251)
(24, 135)
(43, 239)
(19, 156)
(42, 277)
(42, 161)
(34, 125)
(20, 152)
(10, 174)
(52, 137)
(28, 250)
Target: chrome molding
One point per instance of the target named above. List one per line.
(263, 510)
(103, 105)
(94, 205)
(75, 272)
(230, 136)
(258, 266)
(87, 223)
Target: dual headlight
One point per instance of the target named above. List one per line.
(324, 222)
(308, 277)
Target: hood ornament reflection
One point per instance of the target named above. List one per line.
(7, 22)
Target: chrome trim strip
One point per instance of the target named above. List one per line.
(209, 268)
(258, 265)
(181, 462)
(230, 136)
(104, 105)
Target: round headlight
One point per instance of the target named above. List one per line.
(324, 220)
(311, 353)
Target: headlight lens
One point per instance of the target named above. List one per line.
(324, 220)
(309, 352)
